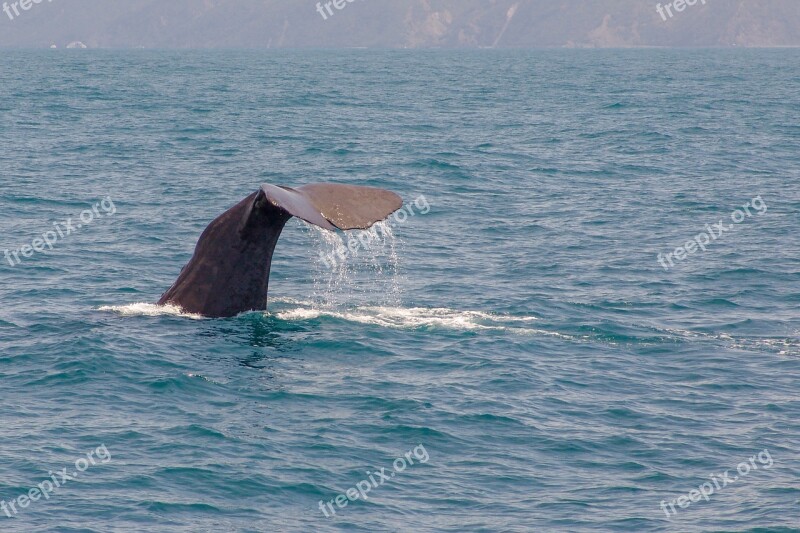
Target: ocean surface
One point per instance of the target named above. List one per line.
(515, 355)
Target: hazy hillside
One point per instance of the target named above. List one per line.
(400, 23)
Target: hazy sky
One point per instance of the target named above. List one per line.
(399, 23)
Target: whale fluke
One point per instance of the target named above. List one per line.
(229, 271)
(350, 206)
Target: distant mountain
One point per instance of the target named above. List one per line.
(400, 23)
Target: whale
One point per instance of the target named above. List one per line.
(228, 274)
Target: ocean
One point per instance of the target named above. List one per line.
(586, 320)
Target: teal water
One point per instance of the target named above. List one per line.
(522, 330)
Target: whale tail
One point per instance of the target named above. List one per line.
(229, 271)
(331, 205)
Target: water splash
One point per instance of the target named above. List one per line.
(357, 278)
(355, 267)
(149, 309)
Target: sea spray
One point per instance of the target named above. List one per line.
(358, 267)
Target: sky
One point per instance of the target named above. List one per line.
(399, 23)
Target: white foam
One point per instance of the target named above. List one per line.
(148, 309)
(780, 345)
(412, 318)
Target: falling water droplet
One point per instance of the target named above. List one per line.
(358, 267)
